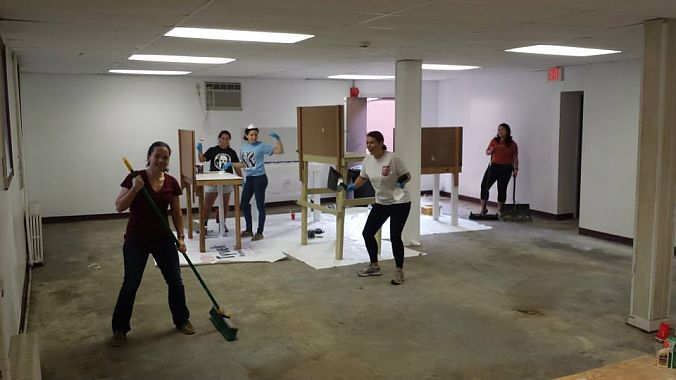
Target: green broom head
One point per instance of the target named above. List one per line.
(223, 324)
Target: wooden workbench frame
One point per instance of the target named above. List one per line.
(441, 152)
(321, 139)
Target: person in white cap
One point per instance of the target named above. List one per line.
(252, 159)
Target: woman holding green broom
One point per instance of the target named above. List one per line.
(146, 235)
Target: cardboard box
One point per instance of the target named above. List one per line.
(428, 210)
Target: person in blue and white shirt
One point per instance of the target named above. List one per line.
(252, 159)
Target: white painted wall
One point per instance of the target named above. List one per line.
(525, 101)
(530, 104)
(12, 233)
(610, 147)
(79, 126)
(385, 89)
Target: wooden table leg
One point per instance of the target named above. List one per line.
(188, 202)
(238, 229)
(203, 230)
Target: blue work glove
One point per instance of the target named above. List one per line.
(199, 147)
(349, 188)
(401, 181)
(226, 166)
(275, 136)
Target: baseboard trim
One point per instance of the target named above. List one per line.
(541, 214)
(606, 236)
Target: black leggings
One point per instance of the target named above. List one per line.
(496, 172)
(135, 258)
(398, 213)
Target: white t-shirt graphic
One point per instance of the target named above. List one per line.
(383, 173)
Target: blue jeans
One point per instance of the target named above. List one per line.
(255, 185)
(135, 258)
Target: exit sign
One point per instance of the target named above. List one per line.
(555, 73)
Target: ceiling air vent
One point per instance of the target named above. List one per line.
(223, 96)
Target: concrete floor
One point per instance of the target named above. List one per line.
(521, 301)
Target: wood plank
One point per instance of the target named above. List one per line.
(641, 368)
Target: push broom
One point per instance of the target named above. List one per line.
(217, 316)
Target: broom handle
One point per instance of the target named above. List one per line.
(163, 218)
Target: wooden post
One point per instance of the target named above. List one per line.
(238, 226)
(340, 216)
(454, 198)
(435, 197)
(188, 202)
(303, 209)
(203, 230)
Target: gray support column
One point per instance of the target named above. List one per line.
(656, 180)
(408, 95)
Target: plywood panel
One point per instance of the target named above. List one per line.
(356, 124)
(320, 131)
(186, 151)
(441, 150)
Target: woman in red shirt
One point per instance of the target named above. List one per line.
(504, 163)
(146, 235)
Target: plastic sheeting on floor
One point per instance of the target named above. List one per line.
(282, 238)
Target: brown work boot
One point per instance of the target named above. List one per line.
(246, 234)
(119, 339)
(187, 328)
(257, 237)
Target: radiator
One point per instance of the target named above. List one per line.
(24, 357)
(34, 226)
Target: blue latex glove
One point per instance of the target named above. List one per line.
(199, 147)
(401, 181)
(226, 166)
(349, 188)
(275, 136)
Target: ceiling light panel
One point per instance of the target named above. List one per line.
(432, 66)
(149, 72)
(238, 35)
(181, 59)
(570, 51)
(361, 77)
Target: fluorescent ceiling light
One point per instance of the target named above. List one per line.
(359, 77)
(180, 59)
(571, 51)
(149, 72)
(238, 35)
(431, 66)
